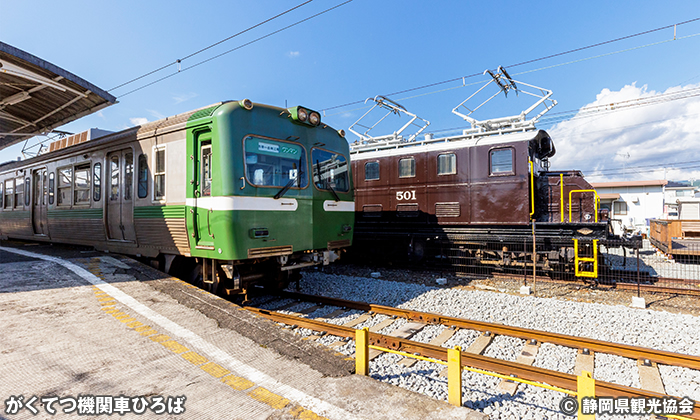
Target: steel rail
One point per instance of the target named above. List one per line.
(624, 350)
(558, 379)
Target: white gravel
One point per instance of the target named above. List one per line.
(646, 328)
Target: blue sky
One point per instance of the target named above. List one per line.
(369, 47)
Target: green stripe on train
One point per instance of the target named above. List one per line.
(75, 214)
(159, 212)
(12, 215)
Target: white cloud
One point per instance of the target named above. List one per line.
(184, 97)
(101, 115)
(138, 121)
(650, 136)
(293, 54)
(157, 115)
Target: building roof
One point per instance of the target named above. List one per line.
(654, 182)
(609, 196)
(37, 96)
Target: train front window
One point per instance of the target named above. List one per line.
(330, 170)
(274, 163)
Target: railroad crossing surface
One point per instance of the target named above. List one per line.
(93, 334)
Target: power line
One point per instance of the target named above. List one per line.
(525, 62)
(178, 61)
(237, 48)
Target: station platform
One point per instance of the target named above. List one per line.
(88, 334)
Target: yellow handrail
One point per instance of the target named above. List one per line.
(561, 195)
(595, 203)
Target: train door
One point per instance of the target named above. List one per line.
(202, 170)
(39, 222)
(120, 203)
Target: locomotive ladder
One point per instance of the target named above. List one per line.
(579, 272)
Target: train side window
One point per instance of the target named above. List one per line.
(52, 183)
(65, 177)
(159, 175)
(206, 168)
(620, 207)
(19, 192)
(407, 167)
(143, 176)
(447, 164)
(501, 161)
(9, 193)
(2, 195)
(128, 175)
(81, 181)
(27, 187)
(114, 178)
(97, 182)
(371, 171)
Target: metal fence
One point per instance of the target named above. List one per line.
(621, 264)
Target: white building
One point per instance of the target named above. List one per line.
(673, 193)
(632, 203)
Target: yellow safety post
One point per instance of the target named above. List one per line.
(586, 388)
(454, 376)
(362, 352)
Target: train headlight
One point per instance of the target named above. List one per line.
(246, 104)
(302, 115)
(314, 118)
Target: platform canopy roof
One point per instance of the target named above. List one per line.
(37, 96)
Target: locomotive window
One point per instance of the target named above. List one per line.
(9, 193)
(19, 192)
(81, 192)
(501, 161)
(128, 175)
(97, 182)
(371, 171)
(143, 176)
(27, 185)
(447, 164)
(407, 167)
(620, 207)
(114, 178)
(159, 175)
(51, 187)
(271, 163)
(206, 169)
(330, 170)
(65, 176)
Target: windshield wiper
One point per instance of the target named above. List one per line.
(327, 183)
(291, 182)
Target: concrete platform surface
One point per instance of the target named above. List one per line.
(86, 334)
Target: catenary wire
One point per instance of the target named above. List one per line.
(211, 46)
(236, 48)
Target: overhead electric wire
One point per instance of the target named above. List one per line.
(237, 48)
(211, 46)
(527, 62)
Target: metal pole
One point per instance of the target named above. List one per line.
(638, 292)
(534, 259)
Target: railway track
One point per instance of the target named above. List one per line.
(400, 340)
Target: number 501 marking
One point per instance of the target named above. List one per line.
(405, 195)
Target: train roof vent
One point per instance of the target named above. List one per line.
(520, 122)
(370, 142)
(74, 139)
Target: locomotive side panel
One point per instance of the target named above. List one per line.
(406, 195)
(499, 184)
(448, 187)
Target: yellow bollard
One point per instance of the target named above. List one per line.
(362, 352)
(454, 376)
(585, 388)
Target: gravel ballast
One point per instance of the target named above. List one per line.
(640, 327)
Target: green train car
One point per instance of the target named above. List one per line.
(233, 195)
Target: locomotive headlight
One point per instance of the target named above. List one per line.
(302, 115)
(314, 118)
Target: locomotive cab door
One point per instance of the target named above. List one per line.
(120, 203)
(40, 193)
